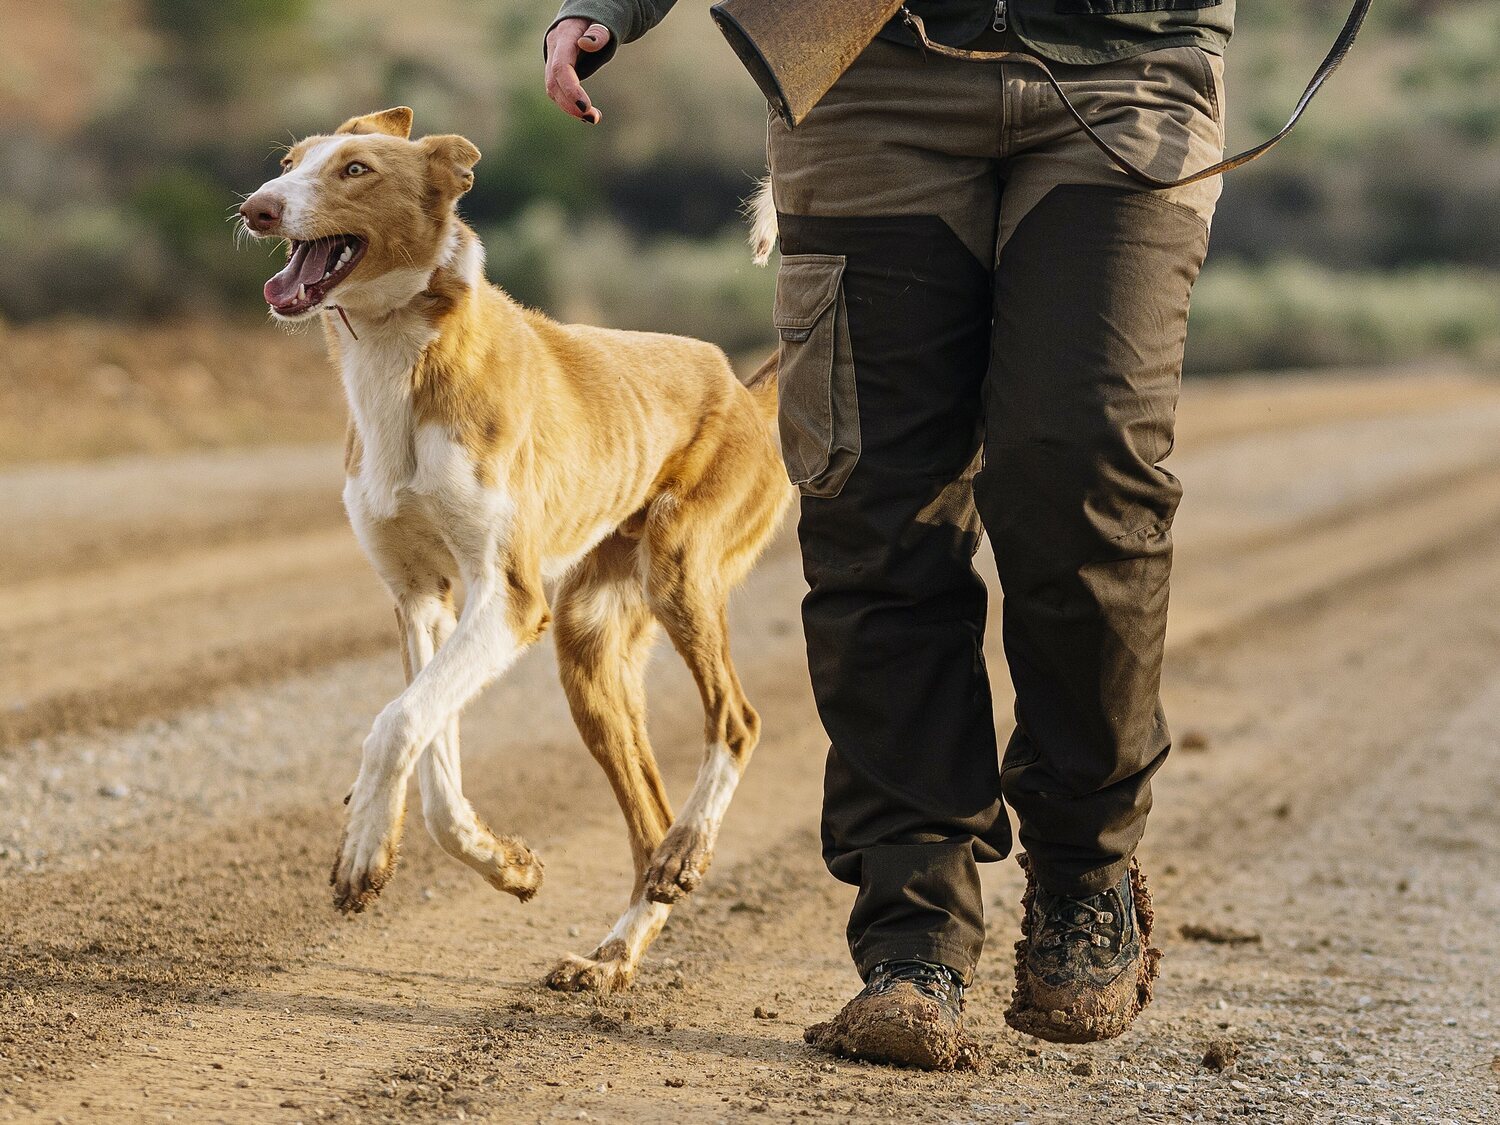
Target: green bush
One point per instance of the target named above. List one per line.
(1397, 166)
(184, 207)
(92, 259)
(1294, 314)
(545, 155)
(196, 20)
(602, 274)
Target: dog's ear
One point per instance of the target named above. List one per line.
(394, 122)
(452, 159)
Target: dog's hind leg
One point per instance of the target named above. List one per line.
(687, 592)
(505, 863)
(604, 631)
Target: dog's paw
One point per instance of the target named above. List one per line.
(361, 871)
(504, 862)
(603, 973)
(678, 867)
(514, 868)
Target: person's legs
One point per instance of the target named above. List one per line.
(887, 199)
(1091, 309)
(1091, 298)
(1092, 283)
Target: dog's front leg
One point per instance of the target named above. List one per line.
(505, 862)
(501, 619)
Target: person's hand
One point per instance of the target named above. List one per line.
(563, 44)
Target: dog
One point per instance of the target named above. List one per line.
(493, 449)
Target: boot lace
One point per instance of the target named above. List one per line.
(937, 981)
(1092, 921)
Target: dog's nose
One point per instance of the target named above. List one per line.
(262, 212)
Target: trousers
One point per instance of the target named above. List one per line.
(981, 329)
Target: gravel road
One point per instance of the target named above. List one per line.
(191, 649)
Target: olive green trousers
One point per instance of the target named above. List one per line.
(982, 325)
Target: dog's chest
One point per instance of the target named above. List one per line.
(413, 479)
(440, 504)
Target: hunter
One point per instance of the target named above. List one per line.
(982, 324)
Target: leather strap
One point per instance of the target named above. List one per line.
(1330, 63)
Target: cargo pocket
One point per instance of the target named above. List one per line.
(819, 409)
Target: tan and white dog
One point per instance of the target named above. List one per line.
(492, 447)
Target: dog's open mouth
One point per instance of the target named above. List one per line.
(312, 272)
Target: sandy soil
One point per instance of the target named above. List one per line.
(77, 389)
(191, 650)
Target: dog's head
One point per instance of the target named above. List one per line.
(368, 212)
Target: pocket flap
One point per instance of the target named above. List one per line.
(806, 284)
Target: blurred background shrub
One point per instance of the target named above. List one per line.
(128, 126)
(1293, 313)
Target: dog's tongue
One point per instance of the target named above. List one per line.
(307, 265)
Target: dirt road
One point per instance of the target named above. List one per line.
(191, 649)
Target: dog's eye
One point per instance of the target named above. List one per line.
(356, 169)
(286, 165)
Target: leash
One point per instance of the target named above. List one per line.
(1330, 63)
(345, 318)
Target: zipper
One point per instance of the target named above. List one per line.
(1001, 20)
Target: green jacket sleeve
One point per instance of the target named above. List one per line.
(626, 20)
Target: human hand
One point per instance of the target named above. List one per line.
(564, 42)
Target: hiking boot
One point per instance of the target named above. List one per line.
(1084, 966)
(909, 1013)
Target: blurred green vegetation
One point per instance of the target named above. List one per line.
(1391, 186)
(1296, 314)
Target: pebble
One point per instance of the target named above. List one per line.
(1220, 1054)
(116, 791)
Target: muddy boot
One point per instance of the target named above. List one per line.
(1084, 966)
(909, 1013)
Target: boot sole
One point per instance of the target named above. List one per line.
(885, 1042)
(888, 1032)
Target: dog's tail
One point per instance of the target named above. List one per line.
(760, 210)
(762, 386)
